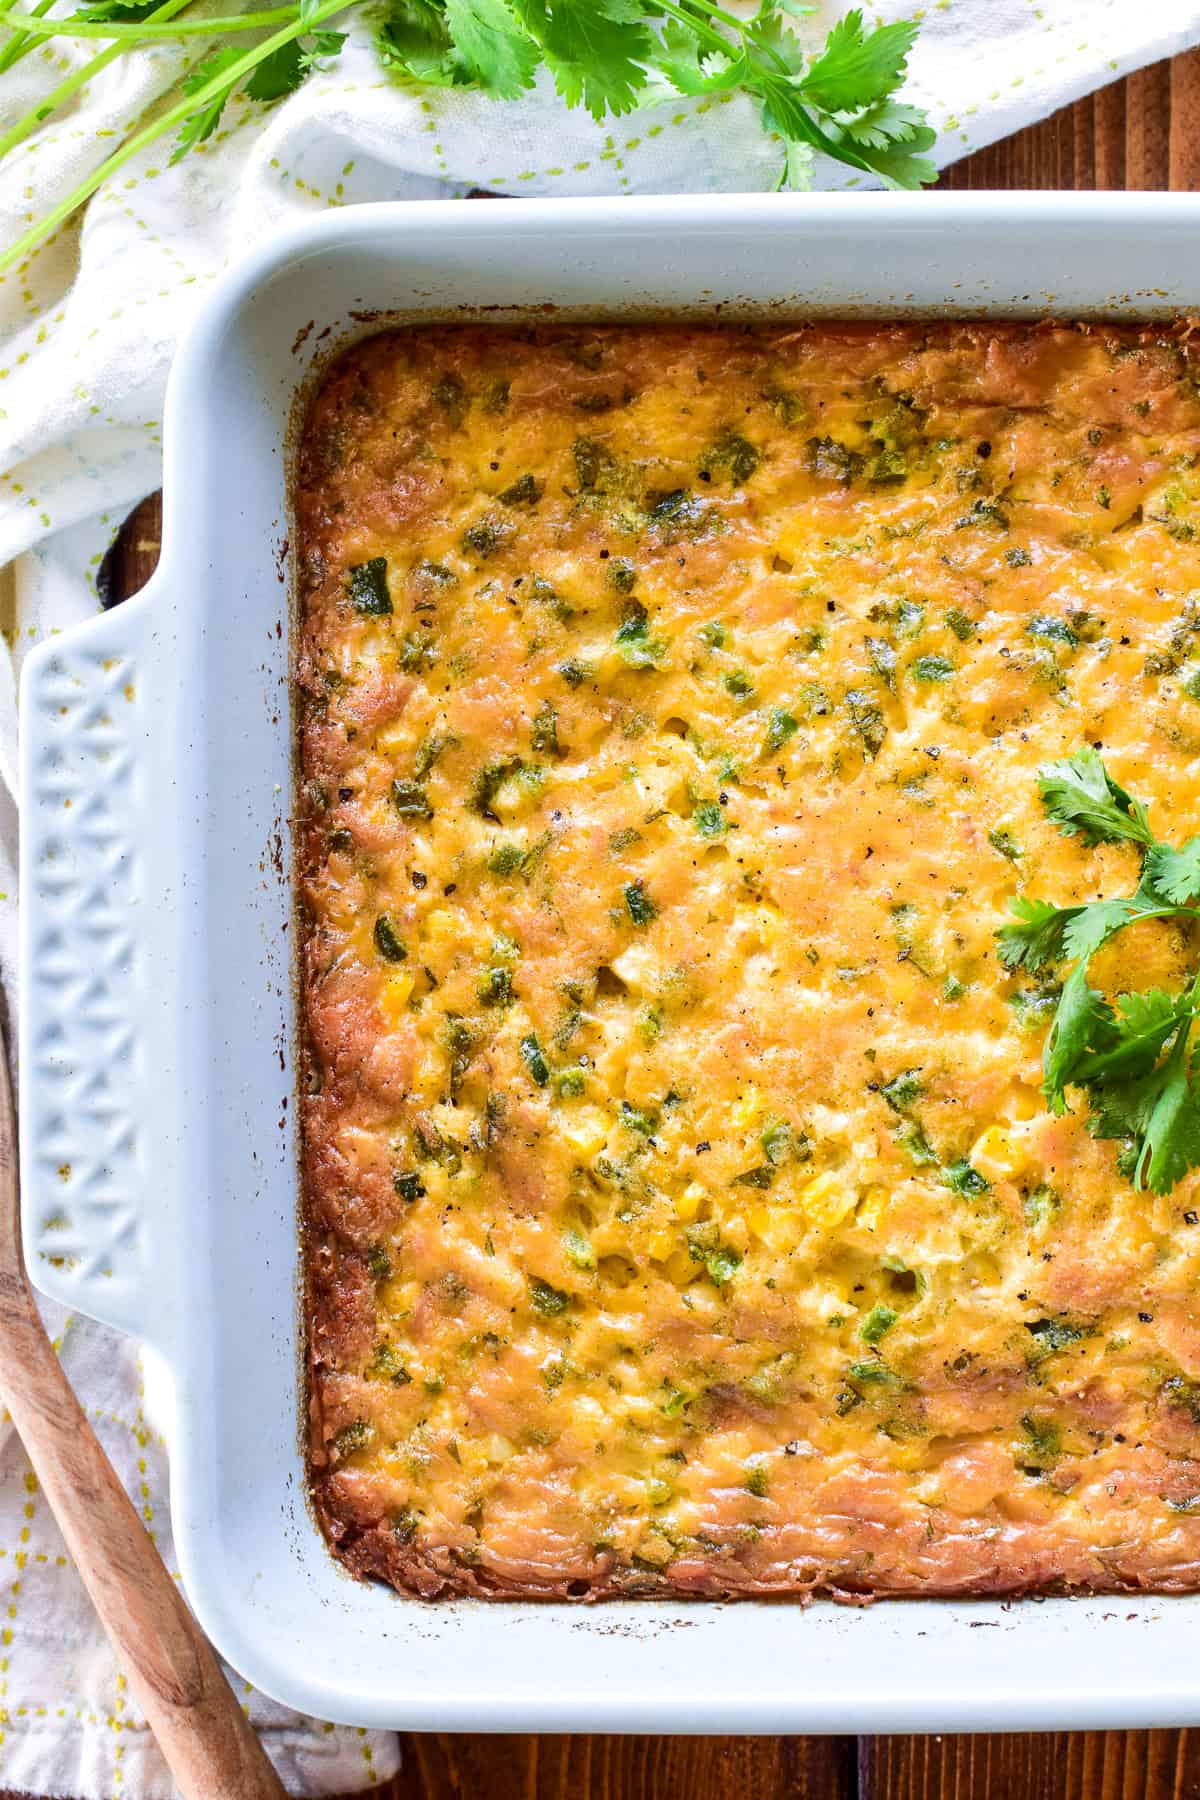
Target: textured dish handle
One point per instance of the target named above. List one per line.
(201, 1729)
(87, 907)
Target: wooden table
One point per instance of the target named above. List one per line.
(1143, 132)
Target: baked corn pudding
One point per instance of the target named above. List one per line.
(691, 1204)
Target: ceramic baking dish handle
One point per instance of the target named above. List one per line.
(94, 860)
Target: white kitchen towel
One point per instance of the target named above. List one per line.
(87, 328)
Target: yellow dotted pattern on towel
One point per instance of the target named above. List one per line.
(28, 1559)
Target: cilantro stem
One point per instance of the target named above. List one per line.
(449, 42)
(144, 29)
(739, 26)
(49, 103)
(21, 41)
(699, 28)
(184, 109)
(811, 131)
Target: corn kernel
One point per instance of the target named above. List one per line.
(634, 966)
(1026, 1103)
(907, 1455)
(682, 1267)
(783, 1228)
(994, 1154)
(439, 927)
(392, 738)
(394, 997)
(586, 1128)
(871, 1207)
(429, 1077)
(735, 1234)
(827, 1198)
(688, 1203)
(758, 925)
(662, 1242)
(748, 1107)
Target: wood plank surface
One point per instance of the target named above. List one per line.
(1140, 133)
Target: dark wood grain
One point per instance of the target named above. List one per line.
(629, 1768)
(1060, 1765)
(1140, 133)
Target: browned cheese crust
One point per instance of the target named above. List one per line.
(682, 1211)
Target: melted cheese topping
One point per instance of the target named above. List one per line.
(683, 1210)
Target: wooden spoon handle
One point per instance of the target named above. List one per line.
(203, 1733)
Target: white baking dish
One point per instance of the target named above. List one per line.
(159, 1154)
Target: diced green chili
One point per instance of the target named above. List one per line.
(369, 587)
(877, 1324)
(526, 490)
(534, 1059)
(709, 819)
(932, 669)
(496, 988)
(780, 727)
(549, 1301)
(577, 1248)
(354, 1436)
(410, 800)
(506, 859)
(963, 1179)
(1050, 630)
(903, 1090)
(638, 904)
(543, 732)
(388, 941)
(759, 1177)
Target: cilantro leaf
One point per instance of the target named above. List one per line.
(1043, 933)
(201, 124)
(770, 38)
(495, 48)
(887, 123)
(1083, 1025)
(596, 50)
(899, 165)
(840, 105)
(414, 39)
(1171, 1138)
(1095, 923)
(857, 66)
(1120, 1110)
(1144, 1023)
(1035, 936)
(1136, 1093)
(1080, 796)
(1174, 874)
(278, 74)
(606, 55)
(284, 70)
(797, 171)
(782, 110)
(695, 67)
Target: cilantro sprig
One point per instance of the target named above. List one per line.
(609, 56)
(1135, 1061)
